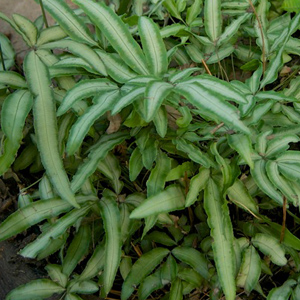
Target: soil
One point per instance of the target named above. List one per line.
(14, 269)
(26, 8)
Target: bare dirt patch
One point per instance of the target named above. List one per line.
(27, 8)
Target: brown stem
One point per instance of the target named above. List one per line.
(262, 36)
(137, 249)
(44, 14)
(283, 220)
(206, 67)
(217, 128)
(2, 58)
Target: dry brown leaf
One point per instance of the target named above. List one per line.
(114, 123)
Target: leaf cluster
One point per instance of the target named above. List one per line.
(165, 138)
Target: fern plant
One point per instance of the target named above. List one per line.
(146, 145)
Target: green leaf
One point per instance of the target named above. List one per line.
(191, 276)
(250, 269)
(56, 275)
(127, 225)
(128, 98)
(12, 79)
(225, 167)
(142, 267)
(254, 80)
(8, 52)
(158, 175)
(77, 250)
(172, 198)
(187, 168)
(263, 182)
(27, 27)
(291, 6)
(171, 8)
(14, 112)
(289, 157)
(57, 72)
(193, 11)
(291, 113)
(272, 95)
(85, 89)
(160, 121)
(111, 218)
(149, 153)
(149, 224)
(135, 164)
(290, 171)
(24, 200)
(260, 26)
(115, 67)
(170, 30)
(53, 246)
(240, 196)
(195, 54)
(197, 184)
(182, 74)
(194, 153)
(110, 167)
(45, 189)
(125, 266)
(213, 19)
(160, 238)
(243, 145)
(275, 229)
(72, 62)
(103, 103)
(155, 94)
(69, 21)
(63, 130)
(51, 34)
(176, 291)
(193, 258)
(261, 141)
(149, 285)
(56, 230)
(153, 46)
(258, 112)
(232, 29)
(181, 5)
(240, 5)
(278, 181)
(98, 152)
(276, 63)
(140, 81)
(40, 288)
(116, 33)
(15, 27)
(221, 232)
(81, 50)
(72, 297)
(224, 89)
(84, 287)
(296, 292)
(186, 118)
(283, 292)
(270, 246)
(280, 144)
(95, 264)
(45, 125)
(177, 53)
(210, 102)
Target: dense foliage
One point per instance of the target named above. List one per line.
(164, 138)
